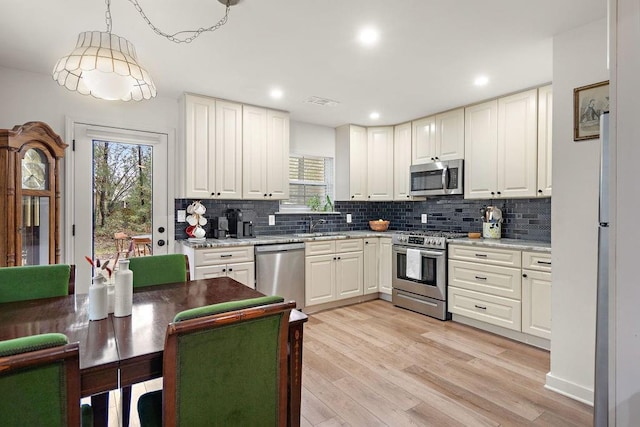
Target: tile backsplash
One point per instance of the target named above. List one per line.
(523, 218)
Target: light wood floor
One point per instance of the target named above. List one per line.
(374, 364)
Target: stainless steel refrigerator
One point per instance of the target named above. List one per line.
(601, 383)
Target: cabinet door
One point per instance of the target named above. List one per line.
(319, 279)
(277, 155)
(358, 163)
(380, 163)
(371, 260)
(228, 148)
(210, 272)
(450, 135)
(545, 131)
(423, 141)
(517, 145)
(481, 150)
(401, 161)
(254, 143)
(349, 271)
(386, 258)
(536, 303)
(243, 273)
(199, 150)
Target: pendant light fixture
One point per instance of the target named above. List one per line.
(106, 66)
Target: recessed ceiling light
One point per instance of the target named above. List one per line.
(481, 81)
(374, 116)
(276, 93)
(368, 36)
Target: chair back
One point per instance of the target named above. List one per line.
(226, 365)
(159, 269)
(36, 281)
(39, 382)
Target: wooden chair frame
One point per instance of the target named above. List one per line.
(215, 321)
(69, 354)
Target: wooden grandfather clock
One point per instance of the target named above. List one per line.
(30, 195)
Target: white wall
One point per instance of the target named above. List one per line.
(625, 226)
(579, 59)
(312, 140)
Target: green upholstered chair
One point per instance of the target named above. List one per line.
(40, 382)
(159, 269)
(224, 365)
(36, 281)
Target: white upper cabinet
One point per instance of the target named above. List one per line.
(211, 162)
(545, 131)
(481, 150)
(518, 145)
(450, 135)
(423, 142)
(228, 148)
(401, 161)
(439, 137)
(351, 163)
(501, 140)
(277, 154)
(380, 163)
(265, 153)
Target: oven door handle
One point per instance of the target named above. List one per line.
(434, 254)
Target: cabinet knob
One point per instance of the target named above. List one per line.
(492, 193)
(160, 229)
(524, 275)
(499, 193)
(270, 195)
(369, 196)
(539, 191)
(339, 258)
(265, 194)
(408, 196)
(334, 258)
(366, 243)
(218, 194)
(213, 194)
(353, 197)
(437, 158)
(224, 269)
(160, 242)
(231, 269)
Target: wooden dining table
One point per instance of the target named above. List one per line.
(121, 351)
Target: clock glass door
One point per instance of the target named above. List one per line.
(37, 215)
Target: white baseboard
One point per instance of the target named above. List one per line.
(569, 389)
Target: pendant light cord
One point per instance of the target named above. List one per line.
(107, 15)
(193, 34)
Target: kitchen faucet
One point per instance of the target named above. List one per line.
(313, 225)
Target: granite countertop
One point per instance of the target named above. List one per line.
(517, 244)
(283, 238)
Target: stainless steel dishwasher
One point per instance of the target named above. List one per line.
(280, 271)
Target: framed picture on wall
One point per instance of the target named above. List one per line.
(589, 102)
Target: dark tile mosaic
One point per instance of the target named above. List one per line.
(523, 218)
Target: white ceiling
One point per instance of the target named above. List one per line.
(428, 55)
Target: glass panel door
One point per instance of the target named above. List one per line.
(120, 198)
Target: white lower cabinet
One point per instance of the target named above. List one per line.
(501, 287)
(536, 294)
(371, 261)
(334, 270)
(386, 259)
(236, 262)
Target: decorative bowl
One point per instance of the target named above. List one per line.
(379, 225)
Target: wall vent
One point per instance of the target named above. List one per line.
(323, 102)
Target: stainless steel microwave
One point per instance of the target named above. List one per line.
(437, 179)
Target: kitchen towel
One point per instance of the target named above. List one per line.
(414, 264)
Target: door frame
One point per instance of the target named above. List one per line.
(68, 196)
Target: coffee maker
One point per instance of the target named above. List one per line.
(220, 227)
(238, 227)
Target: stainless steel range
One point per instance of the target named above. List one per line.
(420, 271)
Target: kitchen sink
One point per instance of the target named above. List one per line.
(329, 233)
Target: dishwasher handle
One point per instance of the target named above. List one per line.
(261, 249)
